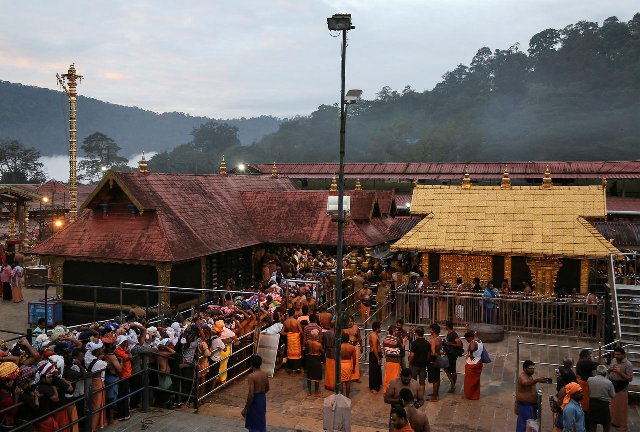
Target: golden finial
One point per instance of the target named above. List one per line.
(506, 181)
(414, 182)
(546, 181)
(274, 171)
(466, 181)
(142, 165)
(223, 167)
(604, 183)
(334, 185)
(358, 185)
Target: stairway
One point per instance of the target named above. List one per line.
(627, 297)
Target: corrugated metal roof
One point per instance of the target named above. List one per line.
(455, 170)
(622, 233)
(623, 204)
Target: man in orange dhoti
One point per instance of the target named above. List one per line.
(347, 364)
(293, 330)
(329, 345)
(393, 353)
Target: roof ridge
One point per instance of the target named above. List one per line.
(164, 236)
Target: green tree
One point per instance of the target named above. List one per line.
(19, 164)
(101, 152)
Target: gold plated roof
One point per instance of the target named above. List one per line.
(521, 220)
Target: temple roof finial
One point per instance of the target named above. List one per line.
(506, 181)
(546, 181)
(358, 185)
(223, 167)
(142, 165)
(334, 184)
(466, 180)
(274, 171)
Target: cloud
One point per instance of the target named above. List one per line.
(231, 59)
(116, 76)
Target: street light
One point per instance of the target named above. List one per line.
(45, 199)
(58, 223)
(341, 22)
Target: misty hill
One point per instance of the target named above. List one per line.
(574, 94)
(39, 118)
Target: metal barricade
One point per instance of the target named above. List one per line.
(517, 313)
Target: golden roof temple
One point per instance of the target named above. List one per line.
(542, 224)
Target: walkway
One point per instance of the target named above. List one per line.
(171, 421)
(289, 407)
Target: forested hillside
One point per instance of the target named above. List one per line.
(573, 94)
(38, 118)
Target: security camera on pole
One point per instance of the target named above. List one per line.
(337, 408)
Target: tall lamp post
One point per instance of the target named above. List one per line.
(341, 22)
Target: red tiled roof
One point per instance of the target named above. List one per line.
(446, 171)
(622, 233)
(362, 203)
(386, 200)
(623, 204)
(299, 217)
(187, 216)
(402, 225)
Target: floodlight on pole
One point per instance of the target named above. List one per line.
(341, 22)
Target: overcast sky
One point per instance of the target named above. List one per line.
(239, 58)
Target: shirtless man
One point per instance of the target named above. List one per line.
(292, 329)
(314, 362)
(527, 395)
(392, 396)
(255, 410)
(365, 295)
(309, 301)
(417, 419)
(375, 359)
(324, 318)
(354, 339)
(348, 364)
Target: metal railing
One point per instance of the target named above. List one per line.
(602, 357)
(544, 315)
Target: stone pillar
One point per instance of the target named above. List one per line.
(56, 274)
(584, 276)
(507, 270)
(164, 280)
(543, 274)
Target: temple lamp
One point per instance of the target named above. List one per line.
(341, 22)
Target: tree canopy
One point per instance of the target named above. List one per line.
(19, 164)
(101, 153)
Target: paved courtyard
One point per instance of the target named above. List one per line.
(289, 407)
(13, 316)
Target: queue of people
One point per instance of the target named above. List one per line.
(48, 373)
